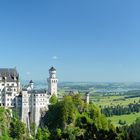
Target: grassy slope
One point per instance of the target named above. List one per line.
(128, 118)
(110, 101)
(114, 101)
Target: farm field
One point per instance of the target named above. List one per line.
(118, 100)
(114, 100)
(128, 118)
(109, 99)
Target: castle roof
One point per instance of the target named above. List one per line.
(37, 91)
(52, 69)
(9, 74)
(31, 81)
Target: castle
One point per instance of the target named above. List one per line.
(29, 104)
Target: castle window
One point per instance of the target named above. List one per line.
(9, 89)
(2, 84)
(8, 104)
(7, 84)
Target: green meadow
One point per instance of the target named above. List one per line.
(118, 100)
(114, 100)
(128, 118)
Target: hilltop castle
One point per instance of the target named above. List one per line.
(29, 104)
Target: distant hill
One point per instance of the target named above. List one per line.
(97, 86)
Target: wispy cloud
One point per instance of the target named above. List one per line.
(54, 57)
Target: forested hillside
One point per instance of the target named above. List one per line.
(69, 119)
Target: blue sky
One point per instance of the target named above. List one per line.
(86, 40)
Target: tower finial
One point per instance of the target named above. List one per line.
(52, 69)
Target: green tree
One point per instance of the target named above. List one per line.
(72, 119)
(134, 130)
(53, 99)
(33, 130)
(4, 124)
(104, 122)
(45, 134)
(58, 133)
(17, 129)
(61, 114)
(39, 134)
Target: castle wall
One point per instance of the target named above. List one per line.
(25, 107)
(33, 106)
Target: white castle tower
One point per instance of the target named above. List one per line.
(87, 97)
(30, 86)
(52, 82)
